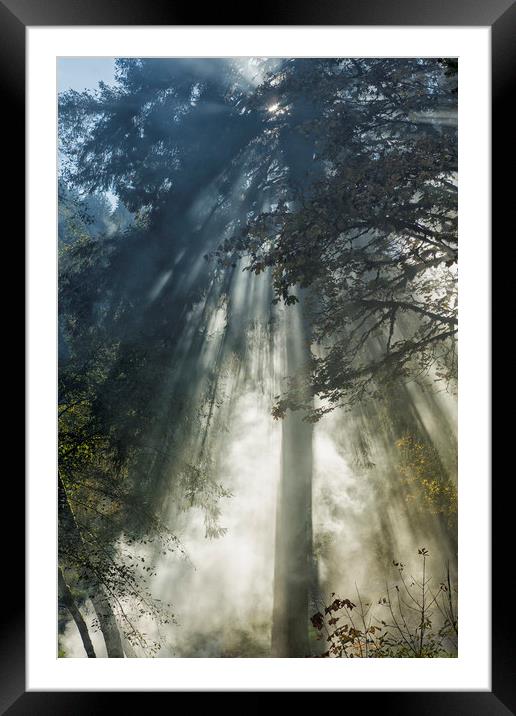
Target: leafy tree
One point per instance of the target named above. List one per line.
(375, 238)
(100, 515)
(336, 178)
(428, 486)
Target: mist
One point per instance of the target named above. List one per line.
(180, 350)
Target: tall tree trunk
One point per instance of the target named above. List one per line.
(68, 601)
(294, 565)
(107, 623)
(100, 601)
(293, 550)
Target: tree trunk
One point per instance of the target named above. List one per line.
(68, 601)
(100, 601)
(294, 566)
(293, 551)
(107, 623)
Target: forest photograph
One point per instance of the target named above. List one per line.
(257, 357)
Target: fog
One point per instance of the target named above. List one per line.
(222, 589)
(223, 459)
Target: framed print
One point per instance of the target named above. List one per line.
(258, 365)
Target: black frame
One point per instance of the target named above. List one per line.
(500, 15)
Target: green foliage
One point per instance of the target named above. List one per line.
(374, 235)
(427, 487)
(110, 415)
(101, 519)
(360, 194)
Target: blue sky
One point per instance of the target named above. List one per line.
(81, 73)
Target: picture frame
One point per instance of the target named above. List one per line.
(500, 16)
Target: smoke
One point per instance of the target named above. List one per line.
(227, 362)
(222, 592)
(70, 641)
(226, 588)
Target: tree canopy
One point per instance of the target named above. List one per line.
(333, 182)
(375, 237)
